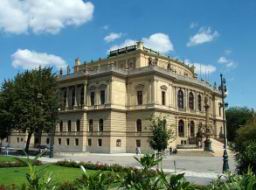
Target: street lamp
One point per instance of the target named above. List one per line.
(223, 89)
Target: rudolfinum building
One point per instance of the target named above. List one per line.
(106, 104)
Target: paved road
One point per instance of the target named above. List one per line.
(199, 168)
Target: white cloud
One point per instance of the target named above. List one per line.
(158, 42)
(201, 68)
(225, 61)
(42, 16)
(193, 25)
(112, 37)
(127, 42)
(26, 59)
(204, 35)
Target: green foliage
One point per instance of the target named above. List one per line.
(245, 147)
(6, 116)
(175, 182)
(32, 99)
(36, 178)
(246, 181)
(237, 117)
(95, 181)
(160, 134)
(148, 161)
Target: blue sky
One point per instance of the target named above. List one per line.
(218, 35)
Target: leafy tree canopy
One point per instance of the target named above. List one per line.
(236, 118)
(33, 101)
(160, 134)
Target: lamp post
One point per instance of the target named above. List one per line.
(223, 89)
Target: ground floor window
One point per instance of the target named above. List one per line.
(138, 143)
(77, 142)
(47, 141)
(181, 128)
(67, 142)
(59, 141)
(89, 142)
(118, 142)
(99, 142)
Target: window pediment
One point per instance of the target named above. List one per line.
(139, 87)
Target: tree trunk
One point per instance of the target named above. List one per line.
(28, 142)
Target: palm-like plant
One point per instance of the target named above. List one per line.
(148, 161)
(95, 181)
(36, 177)
(175, 182)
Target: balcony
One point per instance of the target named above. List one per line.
(110, 69)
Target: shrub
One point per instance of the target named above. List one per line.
(245, 147)
(246, 181)
(18, 163)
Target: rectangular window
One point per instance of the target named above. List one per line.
(102, 96)
(73, 96)
(64, 97)
(21, 139)
(78, 125)
(138, 143)
(89, 142)
(82, 96)
(47, 141)
(92, 98)
(69, 125)
(67, 142)
(18, 140)
(139, 97)
(77, 142)
(90, 125)
(163, 97)
(61, 126)
(59, 140)
(99, 142)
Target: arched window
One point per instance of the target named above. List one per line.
(199, 102)
(101, 125)
(181, 128)
(192, 128)
(180, 99)
(191, 100)
(90, 125)
(138, 125)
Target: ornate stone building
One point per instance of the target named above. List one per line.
(106, 104)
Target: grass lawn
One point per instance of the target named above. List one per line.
(60, 174)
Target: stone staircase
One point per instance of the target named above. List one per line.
(218, 148)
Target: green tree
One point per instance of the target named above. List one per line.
(34, 103)
(236, 118)
(6, 116)
(160, 134)
(245, 147)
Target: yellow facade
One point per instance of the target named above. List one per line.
(109, 98)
